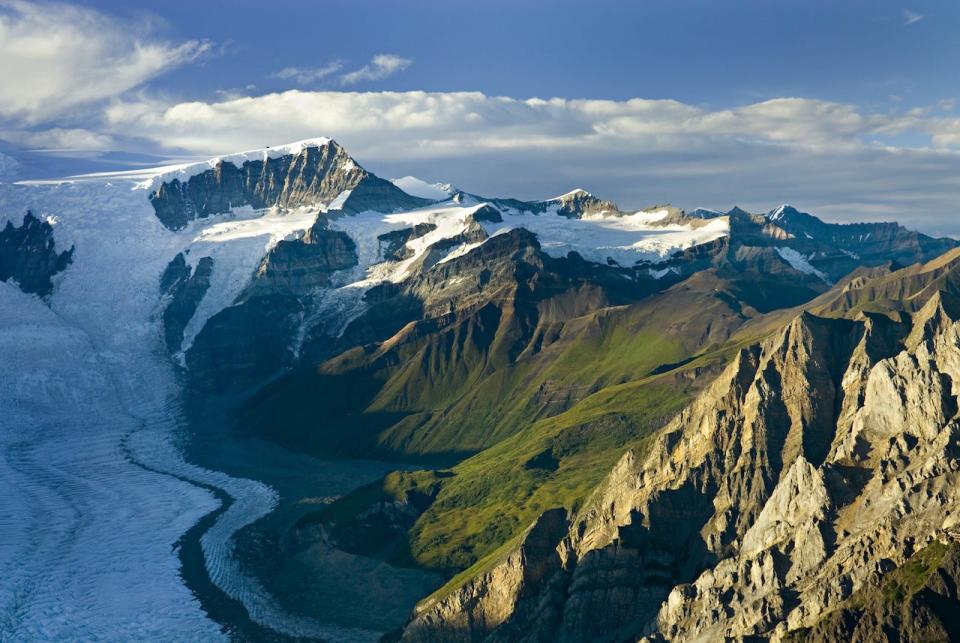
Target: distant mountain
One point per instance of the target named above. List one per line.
(837, 249)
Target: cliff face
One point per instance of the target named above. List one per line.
(315, 176)
(820, 460)
(837, 249)
(509, 589)
(185, 288)
(255, 337)
(918, 602)
(28, 255)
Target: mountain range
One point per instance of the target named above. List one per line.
(607, 424)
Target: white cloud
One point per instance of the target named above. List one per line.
(910, 17)
(309, 75)
(821, 155)
(404, 124)
(380, 67)
(58, 56)
(58, 138)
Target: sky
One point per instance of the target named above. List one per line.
(847, 109)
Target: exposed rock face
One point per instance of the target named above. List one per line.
(393, 243)
(315, 176)
(437, 290)
(255, 337)
(837, 249)
(914, 604)
(486, 608)
(580, 203)
(820, 460)
(185, 290)
(28, 255)
(487, 213)
(244, 343)
(299, 266)
(474, 234)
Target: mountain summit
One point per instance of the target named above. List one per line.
(313, 173)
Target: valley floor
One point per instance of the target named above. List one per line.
(365, 596)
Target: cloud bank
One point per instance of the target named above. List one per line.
(830, 158)
(58, 56)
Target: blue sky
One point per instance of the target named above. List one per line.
(848, 109)
(709, 52)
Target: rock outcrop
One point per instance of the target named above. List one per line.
(580, 203)
(487, 608)
(29, 257)
(915, 604)
(299, 266)
(837, 249)
(393, 244)
(315, 176)
(184, 287)
(258, 334)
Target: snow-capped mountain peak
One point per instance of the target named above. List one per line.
(780, 212)
(706, 213)
(574, 193)
(313, 173)
(420, 188)
(186, 171)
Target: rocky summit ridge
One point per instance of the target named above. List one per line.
(315, 175)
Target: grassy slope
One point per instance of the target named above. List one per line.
(555, 463)
(444, 390)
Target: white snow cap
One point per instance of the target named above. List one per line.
(418, 187)
(777, 214)
(184, 172)
(573, 192)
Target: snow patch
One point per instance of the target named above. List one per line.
(661, 273)
(779, 212)
(800, 263)
(572, 193)
(418, 187)
(237, 245)
(626, 239)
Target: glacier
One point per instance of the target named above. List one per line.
(94, 493)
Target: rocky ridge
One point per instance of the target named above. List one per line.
(316, 175)
(257, 335)
(822, 458)
(29, 257)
